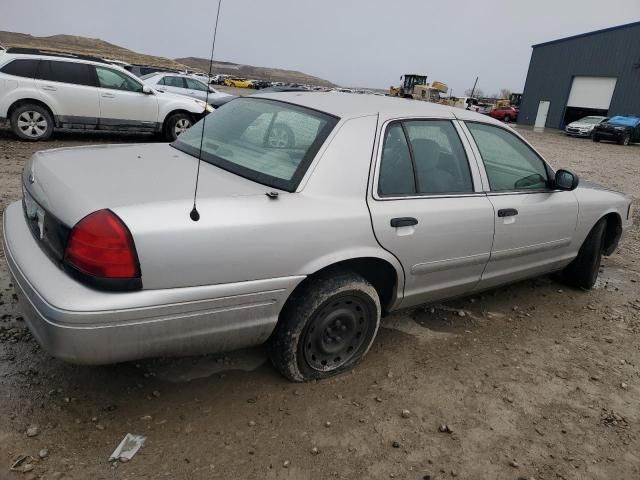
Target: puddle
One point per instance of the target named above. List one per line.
(192, 368)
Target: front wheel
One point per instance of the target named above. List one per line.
(595, 137)
(583, 271)
(625, 140)
(176, 125)
(326, 327)
(507, 119)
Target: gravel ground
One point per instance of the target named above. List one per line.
(534, 380)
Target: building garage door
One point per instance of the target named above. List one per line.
(589, 96)
(592, 92)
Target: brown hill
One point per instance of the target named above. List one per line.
(249, 71)
(83, 45)
(100, 48)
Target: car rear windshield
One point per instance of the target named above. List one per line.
(267, 141)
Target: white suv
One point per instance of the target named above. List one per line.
(42, 90)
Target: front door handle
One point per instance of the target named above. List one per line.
(507, 212)
(49, 88)
(108, 95)
(403, 222)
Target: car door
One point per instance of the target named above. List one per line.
(534, 224)
(123, 104)
(428, 209)
(174, 84)
(70, 87)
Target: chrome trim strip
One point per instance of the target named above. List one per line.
(530, 249)
(440, 265)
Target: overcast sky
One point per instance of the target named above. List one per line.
(366, 43)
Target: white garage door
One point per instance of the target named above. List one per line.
(592, 92)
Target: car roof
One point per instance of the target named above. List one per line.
(60, 58)
(349, 105)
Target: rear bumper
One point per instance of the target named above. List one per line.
(81, 325)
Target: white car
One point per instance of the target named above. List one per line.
(183, 85)
(43, 90)
(584, 127)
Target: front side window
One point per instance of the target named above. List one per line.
(21, 67)
(195, 85)
(114, 80)
(65, 72)
(509, 162)
(424, 157)
(171, 81)
(267, 141)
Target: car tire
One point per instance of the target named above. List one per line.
(280, 136)
(176, 124)
(595, 137)
(626, 140)
(582, 272)
(31, 122)
(326, 327)
(507, 119)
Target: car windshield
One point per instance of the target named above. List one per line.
(591, 119)
(625, 121)
(267, 141)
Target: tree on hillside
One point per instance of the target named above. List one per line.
(505, 93)
(476, 93)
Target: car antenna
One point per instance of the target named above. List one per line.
(194, 214)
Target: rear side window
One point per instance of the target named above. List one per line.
(21, 68)
(66, 72)
(424, 157)
(396, 169)
(441, 163)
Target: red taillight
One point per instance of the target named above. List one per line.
(101, 245)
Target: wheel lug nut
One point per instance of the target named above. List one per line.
(338, 339)
(343, 328)
(338, 323)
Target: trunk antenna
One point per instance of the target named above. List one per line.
(194, 214)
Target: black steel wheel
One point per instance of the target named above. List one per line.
(337, 332)
(326, 327)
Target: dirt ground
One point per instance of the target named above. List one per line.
(534, 380)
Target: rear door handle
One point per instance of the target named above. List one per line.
(507, 212)
(403, 222)
(108, 95)
(49, 88)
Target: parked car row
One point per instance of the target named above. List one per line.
(44, 90)
(622, 129)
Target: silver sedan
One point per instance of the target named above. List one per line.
(316, 214)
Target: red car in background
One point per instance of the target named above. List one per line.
(505, 114)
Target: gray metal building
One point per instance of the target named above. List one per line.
(596, 73)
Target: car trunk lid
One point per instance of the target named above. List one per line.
(70, 183)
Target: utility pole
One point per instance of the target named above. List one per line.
(474, 87)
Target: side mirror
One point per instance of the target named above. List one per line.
(566, 180)
(147, 90)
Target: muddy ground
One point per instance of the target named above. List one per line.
(536, 380)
